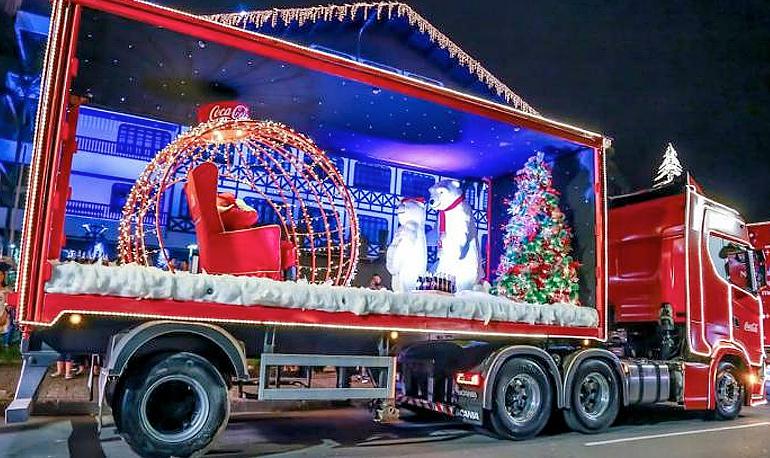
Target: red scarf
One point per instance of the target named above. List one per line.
(442, 217)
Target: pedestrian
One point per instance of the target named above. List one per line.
(375, 282)
(67, 367)
(7, 312)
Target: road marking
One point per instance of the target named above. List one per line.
(680, 433)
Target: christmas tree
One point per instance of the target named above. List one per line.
(536, 266)
(669, 169)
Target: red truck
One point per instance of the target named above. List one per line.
(668, 277)
(759, 234)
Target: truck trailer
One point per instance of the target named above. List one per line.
(667, 308)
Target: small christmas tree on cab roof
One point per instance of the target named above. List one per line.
(669, 169)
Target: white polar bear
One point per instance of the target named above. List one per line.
(458, 247)
(407, 256)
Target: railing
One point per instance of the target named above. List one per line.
(110, 148)
(103, 211)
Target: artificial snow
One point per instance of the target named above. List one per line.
(133, 280)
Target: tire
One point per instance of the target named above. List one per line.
(523, 400)
(594, 398)
(728, 392)
(175, 405)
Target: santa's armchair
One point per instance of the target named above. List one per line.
(257, 251)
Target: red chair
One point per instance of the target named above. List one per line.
(256, 251)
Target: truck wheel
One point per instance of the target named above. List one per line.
(728, 392)
(522, 400)
(594, 398)
(175, 405)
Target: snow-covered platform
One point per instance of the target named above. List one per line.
(139, 282)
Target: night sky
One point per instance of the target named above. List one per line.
(695, 73)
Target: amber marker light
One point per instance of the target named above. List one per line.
(76, 319)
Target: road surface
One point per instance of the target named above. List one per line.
(648, 433)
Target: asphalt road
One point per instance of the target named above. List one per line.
(648, 433)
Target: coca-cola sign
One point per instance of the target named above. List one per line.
(223, 110)
(751, 327)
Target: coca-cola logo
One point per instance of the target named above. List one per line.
(223, 110)
(751, 327)
(236, 112)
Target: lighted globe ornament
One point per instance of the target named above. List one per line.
(271, 164)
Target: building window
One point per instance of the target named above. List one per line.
(118, 196)
(373, 229)
(266, 212)
(320, 228)
(141, 142)
(416, 184)
(184, 207)
(470, 195)
(372, 177)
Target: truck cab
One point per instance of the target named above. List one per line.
(685, 284)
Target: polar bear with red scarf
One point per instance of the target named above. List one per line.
(458, 247)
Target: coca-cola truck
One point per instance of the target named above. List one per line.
(666, 285)
(759, 234)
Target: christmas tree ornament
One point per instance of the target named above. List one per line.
(669, 169)
(536, 265)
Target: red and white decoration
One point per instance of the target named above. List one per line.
(458, 247)
(224, 110)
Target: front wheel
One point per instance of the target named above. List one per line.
(594, 400)
(522, 400)
(174, 406)
(728, 392)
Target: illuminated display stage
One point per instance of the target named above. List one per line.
(371, 132)
(367, 120)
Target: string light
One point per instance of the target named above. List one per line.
(263, 155)
(382, 11)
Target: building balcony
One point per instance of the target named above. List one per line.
(104, 211)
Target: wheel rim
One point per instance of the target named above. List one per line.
(594, 395)
(174, 408)
(522, 398)
(728, 391)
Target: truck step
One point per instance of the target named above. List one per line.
(385, 388)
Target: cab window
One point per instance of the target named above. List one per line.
(760, 269)
(732, 261)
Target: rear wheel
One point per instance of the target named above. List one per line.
(728, 392)
(594, 400)
(175, 406)
(522, 400)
